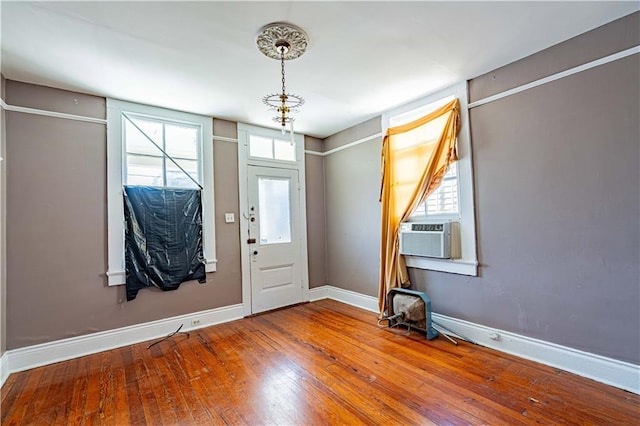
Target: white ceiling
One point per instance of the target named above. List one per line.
(363, 57)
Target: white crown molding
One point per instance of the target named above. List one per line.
(605, 60)
(61, 350)
(352, 144)
(224, 139)
(620, 374)
(47, 113)
(56, 114)
(343, 147)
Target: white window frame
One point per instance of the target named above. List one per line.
(116, 160)
(468, 263)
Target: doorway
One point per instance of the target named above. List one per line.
(273, 219)
(274, 247)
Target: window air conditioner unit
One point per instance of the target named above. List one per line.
(430, 239)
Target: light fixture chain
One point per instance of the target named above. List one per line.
(282, 68)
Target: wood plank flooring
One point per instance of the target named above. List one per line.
(314, 364)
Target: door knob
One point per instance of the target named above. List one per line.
(255, 252)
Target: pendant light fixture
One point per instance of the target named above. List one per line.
(283, 42)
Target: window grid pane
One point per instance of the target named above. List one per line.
(181, 141)
(260, 147)
(444, 200)
(176, 178)
(144, 170)
(284, 150)
(138, 142)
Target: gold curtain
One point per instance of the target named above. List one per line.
(415, 157)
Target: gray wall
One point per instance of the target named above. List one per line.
(56, 211)
(316, 231)
(352, 179)
(557, 203)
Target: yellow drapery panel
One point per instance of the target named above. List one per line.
(415, 157)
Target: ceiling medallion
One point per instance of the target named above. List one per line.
(271, 36)
(283, 42)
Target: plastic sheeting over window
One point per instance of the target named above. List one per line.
(163, 238)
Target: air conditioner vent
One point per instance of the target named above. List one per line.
(430, 239)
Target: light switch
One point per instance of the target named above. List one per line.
(229, 217)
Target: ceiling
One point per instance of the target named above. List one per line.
(363, 57)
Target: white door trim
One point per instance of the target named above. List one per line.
(244, 130)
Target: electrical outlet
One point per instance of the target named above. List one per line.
(195, 322)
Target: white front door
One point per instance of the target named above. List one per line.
(274, 237)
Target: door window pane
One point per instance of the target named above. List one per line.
(274, 208)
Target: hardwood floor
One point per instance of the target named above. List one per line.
(318, 363)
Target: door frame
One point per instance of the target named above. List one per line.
(244, 161)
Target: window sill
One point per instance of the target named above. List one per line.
(119, 277)
(458, 266)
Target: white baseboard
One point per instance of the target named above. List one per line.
(4, 368)
(349, 297)
(623, 375)
(48, 353)
(318, 293)
(610, 371)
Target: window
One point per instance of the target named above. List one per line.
(147, 140)
(453, 199)
(271, 149)
(138, 137)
